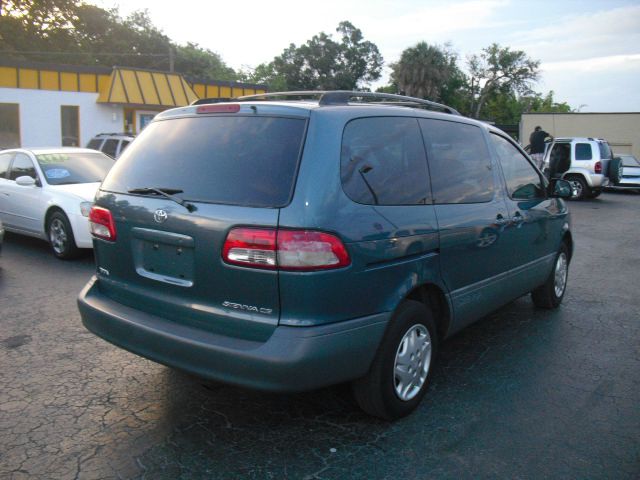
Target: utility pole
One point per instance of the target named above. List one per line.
(171, 59)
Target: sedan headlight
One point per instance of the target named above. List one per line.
(85, 208)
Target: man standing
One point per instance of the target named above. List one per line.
(536, 140)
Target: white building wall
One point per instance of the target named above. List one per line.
(40, 124)
(621, 130)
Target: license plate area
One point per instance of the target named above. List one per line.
(164, 256)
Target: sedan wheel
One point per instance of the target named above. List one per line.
(61, 237)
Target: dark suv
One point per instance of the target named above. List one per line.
(291, 241)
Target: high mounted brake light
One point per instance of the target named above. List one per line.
(281, 249)
(222, 108)
(101, 224)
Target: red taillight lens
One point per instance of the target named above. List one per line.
(251, 247)
(101, 224)
(598, 167)
(300, 250)
(233, 108)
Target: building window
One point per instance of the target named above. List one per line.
(9, 125)
(69, 118)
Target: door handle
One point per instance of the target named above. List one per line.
(518, 218)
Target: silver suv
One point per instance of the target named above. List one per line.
(584, 162)
(112, 144)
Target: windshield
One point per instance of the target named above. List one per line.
(239, 160)
(74, 167)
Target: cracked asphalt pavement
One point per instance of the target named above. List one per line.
(524, 393)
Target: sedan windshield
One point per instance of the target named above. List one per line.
(65, 168)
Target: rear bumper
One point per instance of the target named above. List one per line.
(292, 359)
(598, 181)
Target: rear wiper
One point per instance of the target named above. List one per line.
(165, 192)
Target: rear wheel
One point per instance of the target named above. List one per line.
(61, 237)
(579, 187)
(400, 372)
(550, 294)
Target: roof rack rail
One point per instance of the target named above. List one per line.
(343, 97)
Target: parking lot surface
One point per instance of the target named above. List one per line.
(524, 393)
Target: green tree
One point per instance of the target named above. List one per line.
(323, 63)
(203, 64)
(71, 31)
(499, 70)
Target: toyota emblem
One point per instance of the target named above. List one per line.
(160, 216)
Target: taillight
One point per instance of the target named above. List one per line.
(251, 247)
(300, 250)
(224, 108)
(101, 224)
(598, 167)
(310, 250)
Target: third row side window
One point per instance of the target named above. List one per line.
(383, 162)
(459, 162)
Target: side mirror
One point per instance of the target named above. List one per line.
(559, 188)
(26, 181)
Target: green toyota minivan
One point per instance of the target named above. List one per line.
(286, 242)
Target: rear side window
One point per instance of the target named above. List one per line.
(583, 151)
(605, 150)
(94, 143)
(22, 165)
(248, 161)
(110, 146)
(383, 162)
(5, 160)
(459, 162)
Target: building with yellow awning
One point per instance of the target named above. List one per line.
(51, 105)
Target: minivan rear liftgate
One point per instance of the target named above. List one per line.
(169, 226)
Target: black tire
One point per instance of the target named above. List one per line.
(376, 392)
(579, 188)
(60, 235)
(550, 294)
(615, 170)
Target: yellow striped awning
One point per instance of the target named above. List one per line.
(133, 87)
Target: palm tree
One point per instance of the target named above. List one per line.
(423, 70)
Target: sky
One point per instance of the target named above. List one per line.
(589, 51)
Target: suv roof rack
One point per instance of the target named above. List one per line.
(343, 97)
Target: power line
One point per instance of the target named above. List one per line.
(88, 53)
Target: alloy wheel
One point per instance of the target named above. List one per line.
(413, 359)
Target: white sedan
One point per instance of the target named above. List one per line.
(48, 193)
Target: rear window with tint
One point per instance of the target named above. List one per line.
(605, 150)
(110, 147)
(459, 162)
(248, 161)
(383, 162)
(583, 151)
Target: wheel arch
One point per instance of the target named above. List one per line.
(47, 216)
(435, 298)
(579, 172)
(567, 239)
